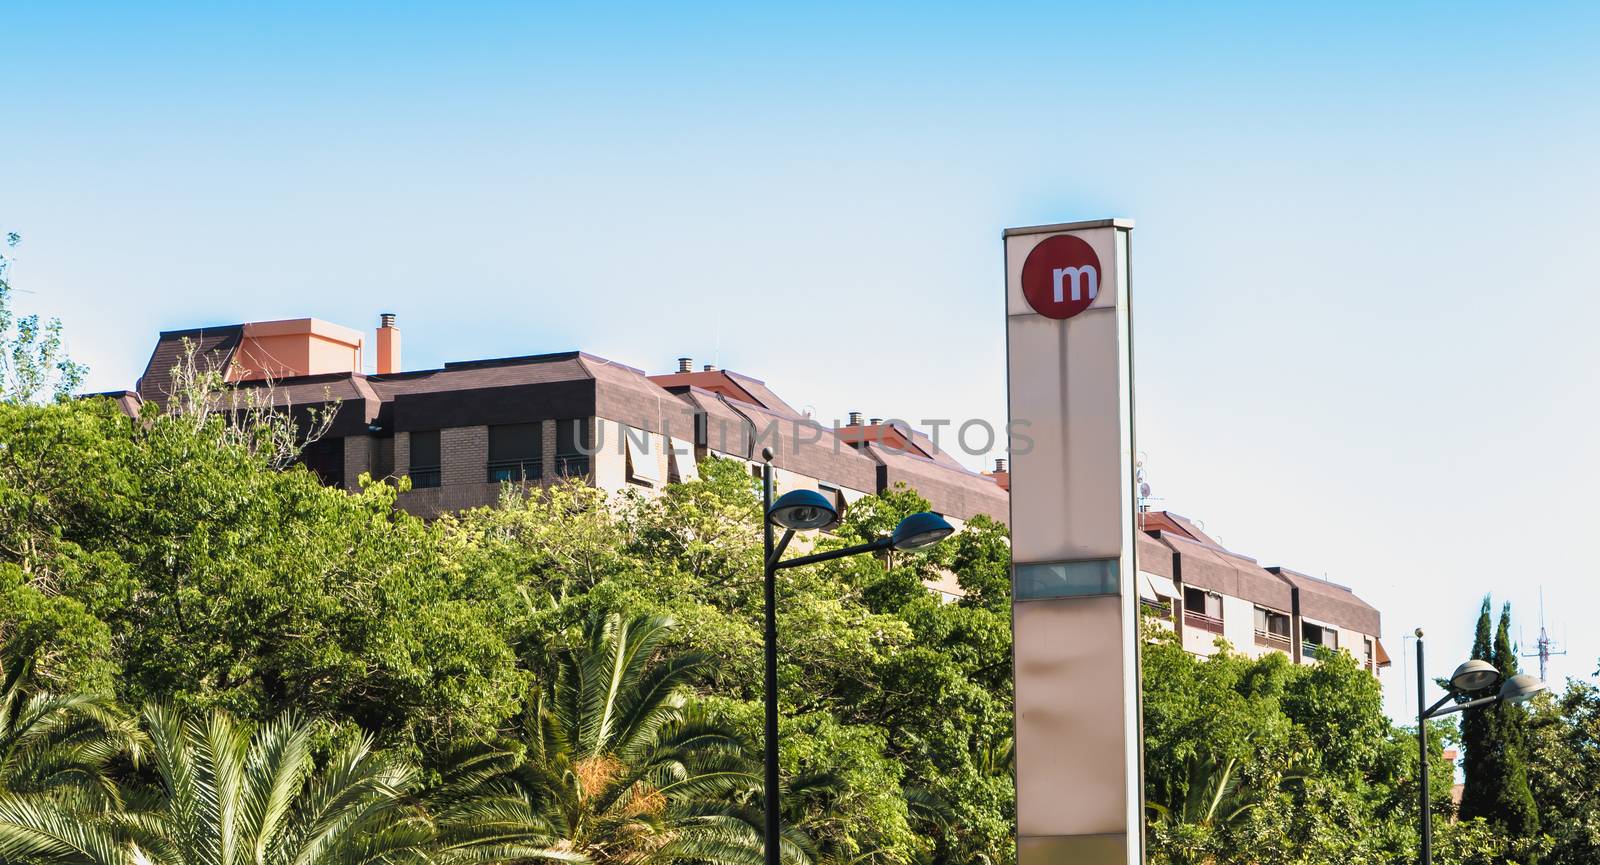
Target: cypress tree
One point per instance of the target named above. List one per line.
(1514, 810)
(1477, 796)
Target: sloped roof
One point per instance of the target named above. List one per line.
(1208, 567)
(214, 348)
(733, 385)
(948, 491)
(800, 444)
(1332, 603)
(498, 372)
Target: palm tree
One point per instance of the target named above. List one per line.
(228, 795)
(1214, 797)
(615, 764)
(58, 743)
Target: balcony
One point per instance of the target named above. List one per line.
(1308, 650)
(1202, 621)
(513, 470)
(571, 465)
(1159, 609)
(1271, 640)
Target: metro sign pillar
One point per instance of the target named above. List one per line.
(1075, 617)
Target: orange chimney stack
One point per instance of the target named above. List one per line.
(388, 345)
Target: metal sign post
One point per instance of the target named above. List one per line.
(1075, 599)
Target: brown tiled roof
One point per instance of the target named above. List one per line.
(948, 491)
(1332, 603)
(1208, 567)
(764, 395)
(630, 397)
(1155, 557)
(725, 430)
(1167, 521)
(358, 406)
(730, 384)
(502, 372)
(502, 390)
(1200, 566)
(1258, 585)
(827, 458)
(213, 349)
(127, 400)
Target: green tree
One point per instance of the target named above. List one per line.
(230, 795)
(1495, 738)
(33, 359)
(1478, 795)
(617, 763)
(1515, 811)
(1564, 761)
(58, 743)
(221, 582)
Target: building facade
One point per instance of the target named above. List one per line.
(463, 430)
(1194, 586)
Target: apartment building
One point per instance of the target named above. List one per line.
(461, 431)
(1201, 590)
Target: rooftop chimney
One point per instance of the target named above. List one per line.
(1000, 465)
(685, 364)
(388, 344)
(875, 421)
(855, 418)
(711, 367)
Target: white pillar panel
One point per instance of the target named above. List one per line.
(1075, 581)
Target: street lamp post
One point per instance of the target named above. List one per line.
(1471, 677)
(800, 510)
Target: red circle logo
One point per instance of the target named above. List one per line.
(1061, 276)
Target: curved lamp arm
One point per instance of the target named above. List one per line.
(874, 546)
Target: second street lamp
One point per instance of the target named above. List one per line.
(797, 511)
(1471, 677)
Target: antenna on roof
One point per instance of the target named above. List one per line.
(1141, 484)
(1546, 647)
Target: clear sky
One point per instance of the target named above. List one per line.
(1365, 263)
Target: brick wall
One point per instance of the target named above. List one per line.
(357, 459)
(402, 454)
(464, 454)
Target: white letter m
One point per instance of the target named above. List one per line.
(1074, 274)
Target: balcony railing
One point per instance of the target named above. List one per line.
(1159, 609)
(424, 477)
(571, 466)
(514, 470)
(1272, 640)
(1202, 621)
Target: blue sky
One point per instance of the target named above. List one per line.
(1365, 267)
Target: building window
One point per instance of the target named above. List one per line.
(325, 459)
(643, 468)
(1366, 643)
(1272, 629)
(572, 447)
(1318, 636)
(425, 463)
(1202, 609)
(516, 451)
(681, 466)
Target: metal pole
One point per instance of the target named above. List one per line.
(771, 640)
(1422, 762)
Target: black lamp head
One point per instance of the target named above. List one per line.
(800, 510)
(920, 531)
